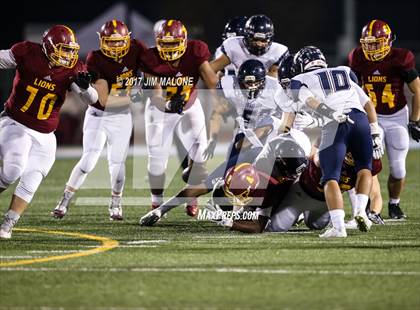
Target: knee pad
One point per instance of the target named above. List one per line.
(10, 173)
(156, 165)
(397, 169)
(28, 185)
(88, 161)
(316, 221)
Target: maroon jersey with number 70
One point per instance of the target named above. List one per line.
(38, 90)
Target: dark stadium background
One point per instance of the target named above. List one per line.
(297, 23)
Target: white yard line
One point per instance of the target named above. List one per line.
(146, 241)
(223, 270)
(17, 256)
(54, 251)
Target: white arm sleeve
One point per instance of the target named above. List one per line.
(7, 60)
(90, 95)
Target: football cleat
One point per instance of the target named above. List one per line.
(62, 207)
(5, 234)
(192, 208)
(395, 212)
(352, 224)
(115, 209)
(334, 233)
(363, 223)
(151, 218)
(376, 218)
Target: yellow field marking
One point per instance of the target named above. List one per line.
(107, 244)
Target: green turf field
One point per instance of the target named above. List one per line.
(183, 263)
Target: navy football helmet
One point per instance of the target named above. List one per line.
(251, 78)
(234, 27)
(309, 58)
(282, 158)
(286, 70)
(259, 32)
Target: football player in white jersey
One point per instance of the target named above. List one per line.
(334, 93)
(252, 94)
(251, 97)
(234, 27)
(257, 43)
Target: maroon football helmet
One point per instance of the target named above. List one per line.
(114, 39)
(376, 40)
(60, 46)
(240, 183)
(171, 40)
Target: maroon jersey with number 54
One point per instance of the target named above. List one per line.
(383, 80)
(38, 90)
(182, 78)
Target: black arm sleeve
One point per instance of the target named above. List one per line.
(410, 75)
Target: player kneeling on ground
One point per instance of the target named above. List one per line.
(282, 163)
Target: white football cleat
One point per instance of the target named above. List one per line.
(334, 233)
(352, 224)
(5, 233)
(363, 222)
(62, 207)
(115, 209)
(151, 218)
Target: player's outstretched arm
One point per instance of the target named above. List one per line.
(221, 107)
(378, 148)
(107, 99)
(220, 63)
(81, 86)
(208, 75)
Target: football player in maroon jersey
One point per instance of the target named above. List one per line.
(44, 74)
(173, 69)
(304, 196)
(116, 66)
(382, 71)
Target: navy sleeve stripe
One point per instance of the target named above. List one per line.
(295, 86)
(353, 77)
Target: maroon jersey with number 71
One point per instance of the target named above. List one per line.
(181, 79)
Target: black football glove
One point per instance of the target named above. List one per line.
(414, 130)
(176, 104)
(83, 80)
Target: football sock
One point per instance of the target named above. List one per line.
(157, 199)
(362, 201)
(174, 202)
(337, 218)
(68, 194)
(77, 177)
(353, 201)
(394, 201)
(10, 218)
